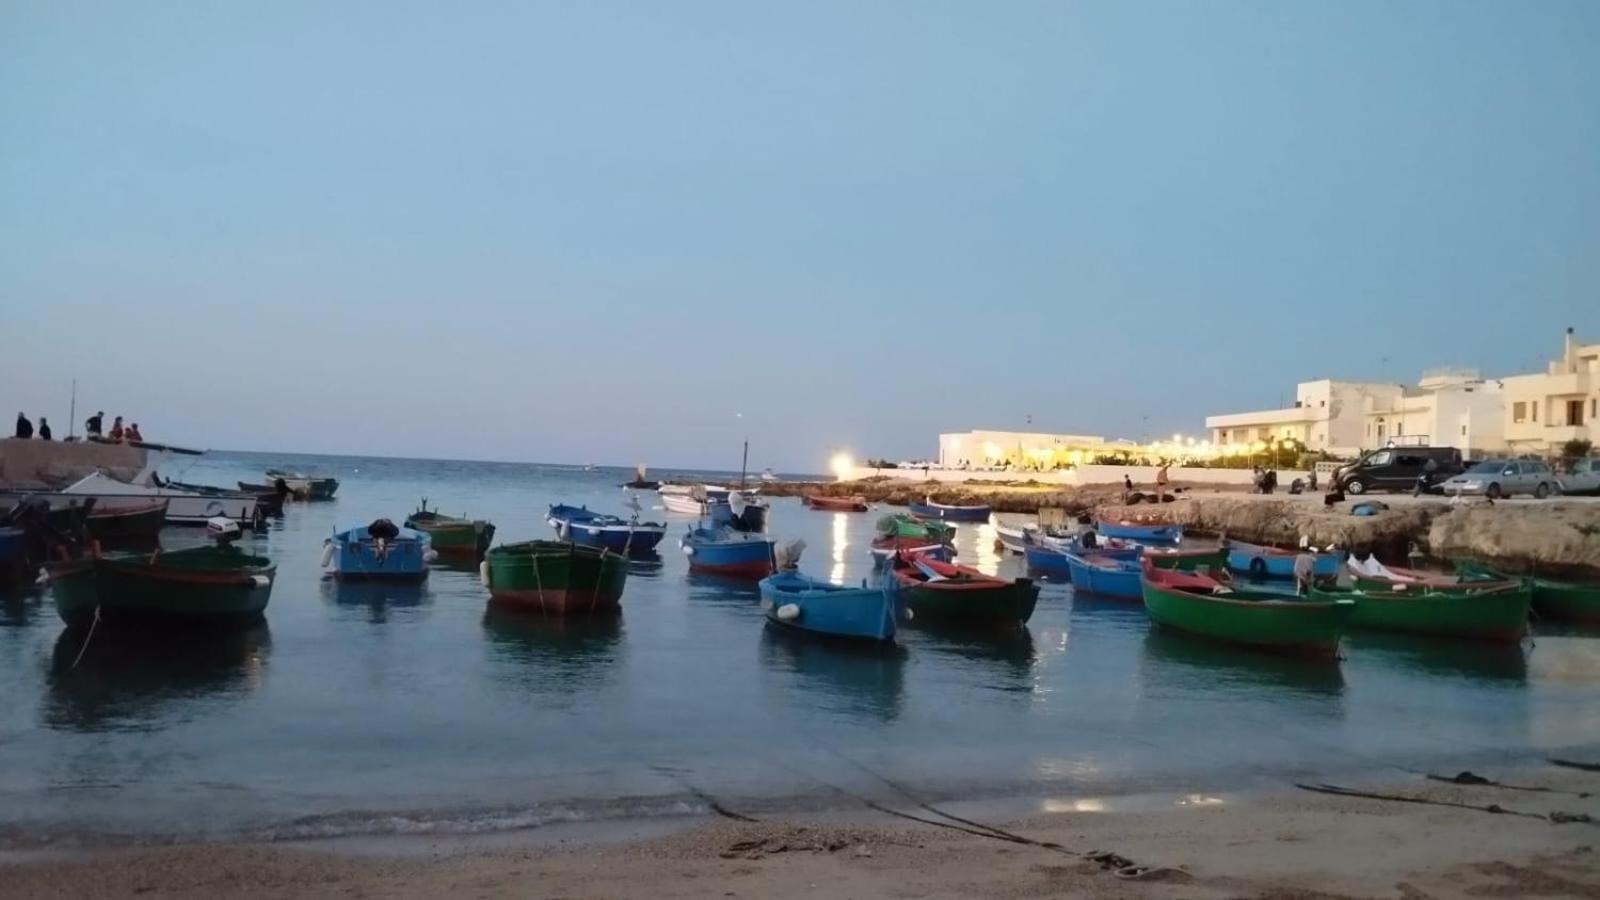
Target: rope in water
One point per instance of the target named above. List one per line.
(88, 637)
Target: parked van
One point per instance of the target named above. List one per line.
(1397, 468)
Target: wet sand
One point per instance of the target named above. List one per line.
(1283, 844)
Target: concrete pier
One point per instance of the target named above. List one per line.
(35, 464)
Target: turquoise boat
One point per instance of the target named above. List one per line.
(803, 603)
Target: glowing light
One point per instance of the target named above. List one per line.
(841, 465)
(1177, 439)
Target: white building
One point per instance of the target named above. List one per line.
(1020, 448)
(1447, 408)
(1327, 416)
(1546, 410)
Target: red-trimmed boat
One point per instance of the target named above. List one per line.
(835, 504)
(937, 591)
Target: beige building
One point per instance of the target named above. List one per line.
(1327, 416)
(1546, 410)
(1447, 408)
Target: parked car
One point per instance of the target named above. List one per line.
(1495, 478)
(1397, 469)
(1583, 477)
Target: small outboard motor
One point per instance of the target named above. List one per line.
(223, 530)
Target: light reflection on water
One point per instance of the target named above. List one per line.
(383, 697)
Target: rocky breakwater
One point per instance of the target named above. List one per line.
(43, 465)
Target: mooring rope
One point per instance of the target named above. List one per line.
(88, 637)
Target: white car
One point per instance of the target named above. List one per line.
(1583, 477)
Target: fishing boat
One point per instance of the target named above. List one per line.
(1559, 600)
(1014, 538)
(742, 510)
(183, 507)
(949, 512)
(835, 504)
(1261, 562)
(902, 525)
(803, 603)
(580, 525)
(886, 547)
(1104, 574)
(306, 487)
(1201, 605)
(723, 551)
(1496, 612)
(139, 524)
(269, 500)
(1135, 531)
(555, 578)
(215, 584)
(1371, 575)
(899, 533)
(936, 591)
(13, 554)
(456, 538)
(1213, 560)
(640, 482)
(1047, 561)
(378, 551)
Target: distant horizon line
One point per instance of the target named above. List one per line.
(503, 462)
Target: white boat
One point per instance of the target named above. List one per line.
(690, 499)
(183, 507)
(1013, 537)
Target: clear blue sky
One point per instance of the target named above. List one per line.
(598, 231)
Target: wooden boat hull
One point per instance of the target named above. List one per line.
(883, 548)
(1109, 580)
(836, 504)
(1212, 560)
(1131, 532)
(1269, 562)
(557, 579)
(1295, 627)
(1047, 562)
(967, 596)
(941, 512)
(733, 558)
(117, 525)
(1013, 539)
(639, 540)
(452, 537)
(1499, 614)
(1558, 600)
(358, 557)
(134, 586)
(829, 610)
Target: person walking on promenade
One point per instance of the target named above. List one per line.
(44, 429)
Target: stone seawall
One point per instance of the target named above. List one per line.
(38, 464)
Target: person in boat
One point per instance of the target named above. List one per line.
(132, 433)
(1305, 565)
(24, 427)
(44, 429)
(91, 425)
(117, 431)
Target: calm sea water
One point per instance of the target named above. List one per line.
(361, 709)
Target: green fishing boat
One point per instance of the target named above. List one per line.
(1496, 611)
(1264, 621)
(555, 578)
(935, 591)
(203, 584)
(900, 525)
(1563, 600)
(457, 538)
(1214, 559)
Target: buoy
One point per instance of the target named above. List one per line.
(788, 612)
(327, 553)
(483, 572)
(909, 614)
(430, 555)
(688, 550)
(261, 581)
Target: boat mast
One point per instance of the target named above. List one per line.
(72, 413)
(745, 462)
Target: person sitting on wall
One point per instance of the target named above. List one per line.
(91, 425)
(132, 433)
(117, 431)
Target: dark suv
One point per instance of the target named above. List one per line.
(1397, 468)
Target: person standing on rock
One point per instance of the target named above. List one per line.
(24, 427)
(44, 429)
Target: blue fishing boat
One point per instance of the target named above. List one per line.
(798, 601)
(379, 550)
(1047, 562)
(1271, 562)
(723, 551)
(581, 525)
(1130, 531)
(1106, 575)
(948, 512)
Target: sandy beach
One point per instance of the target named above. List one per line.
(1287, 843)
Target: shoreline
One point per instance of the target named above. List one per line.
(1274, 843)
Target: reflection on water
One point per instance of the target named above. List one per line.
(645, 565)
(1175, 657)
(378, 600)
(841, 544)
(137, 680)
(983, 555)
(552, 654)
(21, 606)
(706, 586)
(1006, 651)
(1488, 660)
(853, 678)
